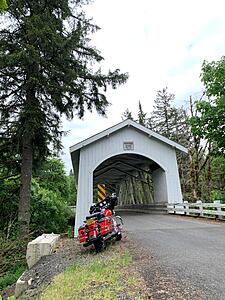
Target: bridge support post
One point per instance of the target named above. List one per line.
(84, 197)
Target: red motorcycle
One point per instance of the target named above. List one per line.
(101, 225)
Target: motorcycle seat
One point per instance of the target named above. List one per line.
(97, 215)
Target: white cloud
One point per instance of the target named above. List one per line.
(160, 43)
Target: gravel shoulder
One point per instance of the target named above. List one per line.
(69, 252)
(154, 282)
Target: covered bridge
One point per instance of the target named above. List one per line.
(119, 152)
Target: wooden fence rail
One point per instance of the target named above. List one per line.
(208, 210)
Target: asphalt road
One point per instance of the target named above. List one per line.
(190, 251)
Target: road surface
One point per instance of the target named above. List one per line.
(190, 251)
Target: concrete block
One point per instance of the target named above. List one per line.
(41, 246)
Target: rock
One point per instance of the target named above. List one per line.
(30, 281)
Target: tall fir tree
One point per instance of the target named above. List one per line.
(161, 115)
(127, 115)
(141, 115)
(46, 71)
(172, 122)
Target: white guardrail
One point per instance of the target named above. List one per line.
(208, 210)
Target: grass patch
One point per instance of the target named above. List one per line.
(11, 277)
(101, 277)
(9, 298)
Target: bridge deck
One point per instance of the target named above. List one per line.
(188, 249)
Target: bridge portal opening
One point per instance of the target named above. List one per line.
(136, 179)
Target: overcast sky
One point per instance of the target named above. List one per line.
(159, 43)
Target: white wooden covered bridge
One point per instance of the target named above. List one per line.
(112, 155)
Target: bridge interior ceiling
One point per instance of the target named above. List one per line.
(117, 168)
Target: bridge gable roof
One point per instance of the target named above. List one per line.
(121, 125)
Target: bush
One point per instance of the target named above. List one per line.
(218, 195)
(11, 277)
(12, 261)
(49, 212)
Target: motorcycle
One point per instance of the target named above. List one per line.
(101, 225)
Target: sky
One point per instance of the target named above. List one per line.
(160, 43)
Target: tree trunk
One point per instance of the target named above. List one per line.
(192, 175)
(25, 188)
(209, 179)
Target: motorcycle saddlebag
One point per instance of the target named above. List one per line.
(92, 229)
(82, 234)
(105, 226)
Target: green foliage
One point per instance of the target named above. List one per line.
(52, 191)
(218, 178)
(210, 123)
(49, 213)
(160, 120)
(46, 71)
(218, 195)
(9, 193)
(141, 115)
(213, 77)
(12, 261)
(127, 115)
(11, 277)
(3, 5)
(72, 198)
(51, 176)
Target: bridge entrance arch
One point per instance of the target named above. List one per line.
(126, 150)
(135, 178)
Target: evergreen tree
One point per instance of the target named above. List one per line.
(161, 115)
(127, 115)
(141, 115)
(172, 122)
(46, 70)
